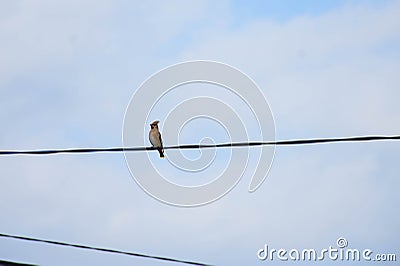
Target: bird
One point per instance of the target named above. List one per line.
(155, 138)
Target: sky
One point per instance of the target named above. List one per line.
(69, 69)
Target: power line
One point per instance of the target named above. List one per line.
(12, 263)
(202, 146)
(102, 249)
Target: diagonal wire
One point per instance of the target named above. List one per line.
(203, 146)
(12, 263)
(102, 249)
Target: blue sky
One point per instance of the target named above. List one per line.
(68, 70)
(282, 11)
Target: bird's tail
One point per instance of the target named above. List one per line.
(161, 151)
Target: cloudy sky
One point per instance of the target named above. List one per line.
(68, 70)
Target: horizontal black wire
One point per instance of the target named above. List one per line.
(102, 249)
(202, 146)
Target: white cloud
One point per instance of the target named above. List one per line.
(325, 74)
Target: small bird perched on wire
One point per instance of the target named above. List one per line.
(155, 138)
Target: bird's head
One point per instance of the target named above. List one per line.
(154, 124)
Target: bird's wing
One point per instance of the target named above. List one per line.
(159, 136)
